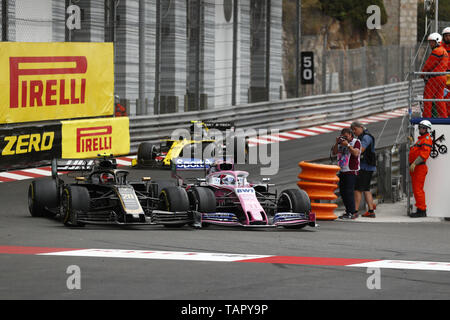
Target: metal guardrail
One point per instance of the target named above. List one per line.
(282, 115)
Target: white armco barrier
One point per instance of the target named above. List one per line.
(437, 182)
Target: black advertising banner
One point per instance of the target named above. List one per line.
(24, 147)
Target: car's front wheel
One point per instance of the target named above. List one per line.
(294, 200)
(75, 201)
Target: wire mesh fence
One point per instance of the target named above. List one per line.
(353, 69)
(435, 100)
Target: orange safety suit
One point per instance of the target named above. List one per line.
(434, 88)
(447, 48)
(421, 148)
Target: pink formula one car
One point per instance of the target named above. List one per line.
(225, 197)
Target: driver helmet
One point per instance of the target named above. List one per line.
(228, 180)
(106, 177)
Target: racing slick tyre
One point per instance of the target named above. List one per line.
(202, 200)
(146, 152)
(75, 199)
(294, 200)
(174, 199)
(161, 184)
(42, 195)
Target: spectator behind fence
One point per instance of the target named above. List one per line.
(347, 149)
(446, 45)
(435, 84)
(368, 167)
(119, 110)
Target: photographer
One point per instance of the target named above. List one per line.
(348, 150)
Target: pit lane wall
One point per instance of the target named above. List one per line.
(48, 85)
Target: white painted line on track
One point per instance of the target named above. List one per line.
(158, 255)
(251, 258)
(44, 173)
(13, 176)
(409, 265)
(320, 129)
(334, 128)
(291, 135)
(308, 133)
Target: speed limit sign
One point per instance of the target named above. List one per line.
(307, 67)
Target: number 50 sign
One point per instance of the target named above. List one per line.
(307, 67)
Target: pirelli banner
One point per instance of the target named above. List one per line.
(32, 146)
(53, 81)
(89, 138)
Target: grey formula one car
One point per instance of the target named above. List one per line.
(102, 194)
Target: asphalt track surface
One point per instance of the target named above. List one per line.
(31, 276)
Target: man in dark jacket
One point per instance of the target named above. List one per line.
(368, 167)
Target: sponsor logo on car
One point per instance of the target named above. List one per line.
(245, 190)
(76, 165)
(193, 164)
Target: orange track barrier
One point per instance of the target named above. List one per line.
(319, 181)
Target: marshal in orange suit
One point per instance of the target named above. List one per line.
(434, 88)
(418, 155)
(446, 45)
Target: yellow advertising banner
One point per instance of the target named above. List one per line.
(83, 139)
(52, 81)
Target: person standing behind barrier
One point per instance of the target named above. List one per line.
(119, 110)
(446, 46)
(368, 167)
(418, 155)
(347, 148)
(435, 85)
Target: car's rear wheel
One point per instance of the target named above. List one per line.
(202, 200)
(75, 200)
(42, 195)
(146, 152)
(159, 185)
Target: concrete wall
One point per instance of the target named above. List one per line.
(391, 30)
(408, 21)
